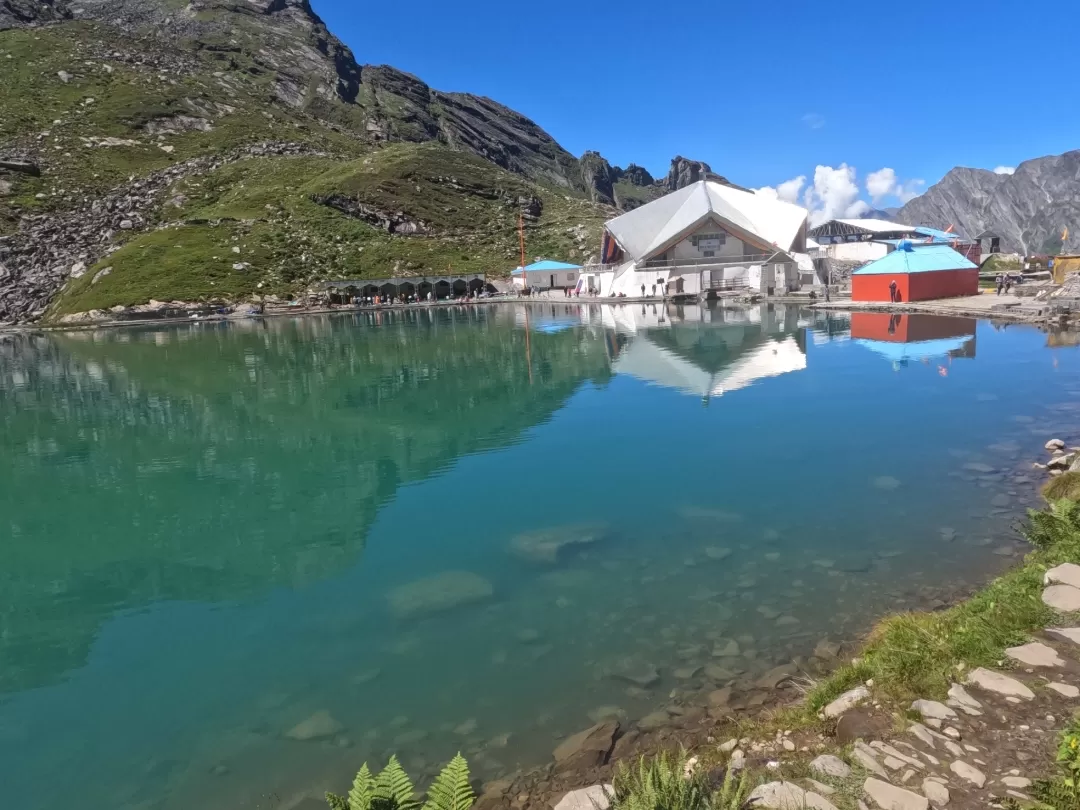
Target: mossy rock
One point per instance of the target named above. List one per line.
(1066, 485)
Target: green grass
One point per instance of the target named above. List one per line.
(918, 655)
(265, 207)
(1066, 485)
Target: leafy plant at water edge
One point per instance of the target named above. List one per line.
(663, 783)
(1058, 525)
(393, 790)
(659, 784)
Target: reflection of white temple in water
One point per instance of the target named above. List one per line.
(696, 349)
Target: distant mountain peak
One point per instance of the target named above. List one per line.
(1029, 208)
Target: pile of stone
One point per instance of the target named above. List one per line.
(1062, 458)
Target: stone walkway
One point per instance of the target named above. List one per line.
(997, 730)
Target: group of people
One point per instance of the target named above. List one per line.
(663, 290)
(1005, 282)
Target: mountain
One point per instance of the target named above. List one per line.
(1028, 209)
(231, 149)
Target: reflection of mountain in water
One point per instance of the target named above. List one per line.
(708, 352)
(214, 462)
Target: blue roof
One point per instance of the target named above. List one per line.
(942, 236)
(915, 258)
(548, 265)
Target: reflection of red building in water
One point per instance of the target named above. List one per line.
(902, 337)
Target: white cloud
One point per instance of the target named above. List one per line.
(1004, 170)
(910, 190)
(788, 191)
(884, 183)
(814, 120)
(880, 184)
(834, 194)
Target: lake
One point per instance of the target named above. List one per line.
(238, 559)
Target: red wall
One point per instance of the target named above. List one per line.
(876, 287)
(944, 284)
(916, 286)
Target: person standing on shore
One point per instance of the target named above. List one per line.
(1000, 281)
(894, 293)
(642, 290)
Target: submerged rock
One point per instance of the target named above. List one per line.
(717, 553)
(320, 724)
(544, 546)
(587, 749)
(438, 593)
(886, 482)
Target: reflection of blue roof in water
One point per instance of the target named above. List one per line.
(915, 351)
(552, 325)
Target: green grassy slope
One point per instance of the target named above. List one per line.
(263, 212)
(71, 86)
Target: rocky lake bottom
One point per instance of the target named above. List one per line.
(240, 559)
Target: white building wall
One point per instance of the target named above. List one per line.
(709, 238)
(542, 278)
(855, 251)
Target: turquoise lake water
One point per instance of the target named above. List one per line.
(209, 532)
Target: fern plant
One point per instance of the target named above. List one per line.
(1059, 525)
(733, 792)
(660, 783)
(393, 790)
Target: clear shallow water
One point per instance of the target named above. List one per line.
(205, 529)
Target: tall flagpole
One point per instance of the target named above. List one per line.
(524, 281)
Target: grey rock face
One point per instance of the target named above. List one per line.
(1026, 209)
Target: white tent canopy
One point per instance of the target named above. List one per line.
(647, 230)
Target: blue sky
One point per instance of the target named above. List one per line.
(763, 91)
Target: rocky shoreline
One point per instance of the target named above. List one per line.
(742, 725)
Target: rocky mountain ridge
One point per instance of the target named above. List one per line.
(123, 117)
(1029, 209)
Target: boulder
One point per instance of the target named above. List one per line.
(1068, 633)
(933, 710)
(438, 593)
(544, 546)
(1064, 689)
(968, 773)
(849, 700)
(890, 797)
(960, 699)
(596, 797)
(936, 792)
(864, 756)
(776, 676)
(1055, 444)
(1062, 598)
(319, 725)
(20, 166)
(587, 749)
(998, 683)
(1064, 574)
(829, 765)
(786, 796)
(1035, 654)
(855, 724)
(720, 697)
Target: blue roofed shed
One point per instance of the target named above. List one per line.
(547, 274)
(916, 272)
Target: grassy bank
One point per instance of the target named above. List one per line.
(917, 655)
